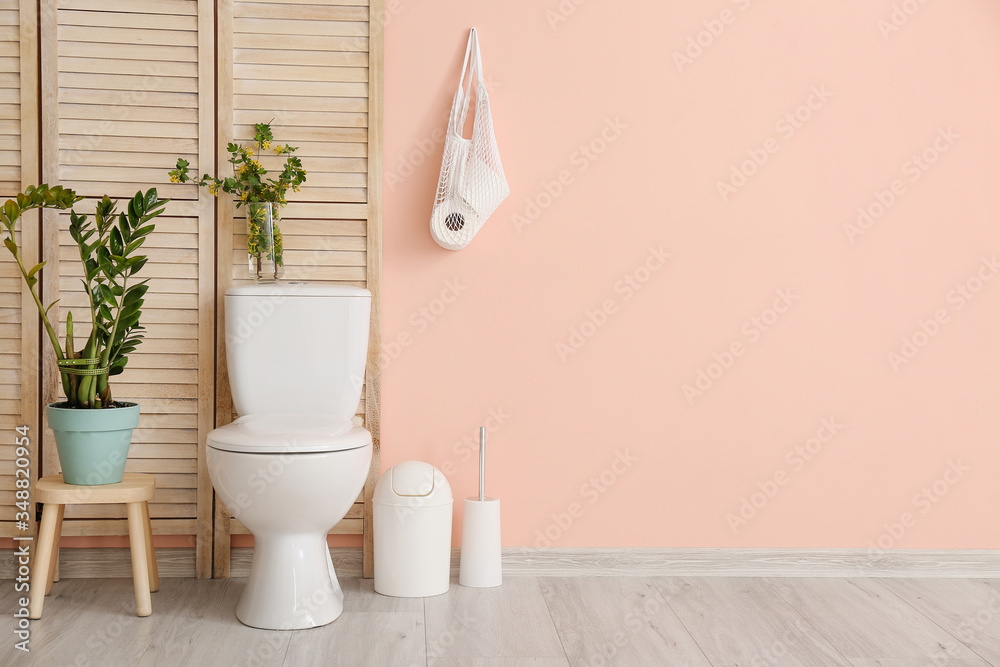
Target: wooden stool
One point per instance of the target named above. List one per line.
(134, 490)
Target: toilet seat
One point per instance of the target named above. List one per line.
(288, 433)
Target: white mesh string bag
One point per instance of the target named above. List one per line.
(472, 183)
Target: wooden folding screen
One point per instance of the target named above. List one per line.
(18, 319)
(127, 87)
(123, 89)
(313, 68)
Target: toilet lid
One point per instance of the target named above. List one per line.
(288, 433)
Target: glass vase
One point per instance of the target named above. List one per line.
(264, 242)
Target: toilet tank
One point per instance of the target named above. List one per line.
(297, 347)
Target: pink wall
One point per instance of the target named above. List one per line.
(889, 106)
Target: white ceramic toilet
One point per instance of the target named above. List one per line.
(290, 467)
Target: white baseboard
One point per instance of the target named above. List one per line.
(917, 563)
(960, 563)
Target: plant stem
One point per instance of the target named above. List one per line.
(53, 338)
(106, 354)
(70, 381)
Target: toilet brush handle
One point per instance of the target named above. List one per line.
(482, 463)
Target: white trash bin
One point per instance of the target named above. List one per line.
(412, 509)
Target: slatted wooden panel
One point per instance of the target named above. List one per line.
(18, 318)
(308, 66)
(127, 87)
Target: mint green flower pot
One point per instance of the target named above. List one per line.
(93, 444)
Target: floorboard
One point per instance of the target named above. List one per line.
(862, 619)
(497, 662)
(362, 639)
(969, 609)
(744, 621)
(611, 620)
(533, 622)
(510, 621)
(208, 633)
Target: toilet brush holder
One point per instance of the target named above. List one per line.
(480, 563)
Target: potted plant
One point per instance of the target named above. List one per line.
(262, 195)
(92, 430)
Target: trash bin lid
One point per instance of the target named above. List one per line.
(413, 484)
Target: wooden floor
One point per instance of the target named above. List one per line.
(535, 622)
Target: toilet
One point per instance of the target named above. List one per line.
(293, 463)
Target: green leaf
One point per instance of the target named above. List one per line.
(117, 242)
(129, 321)
(9, 242)
(133, 246)
(135, 293)
(135, 263)
(11, 210)
(152, 213)
(35, 269)
(109, 295)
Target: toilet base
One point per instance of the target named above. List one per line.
(292, 584)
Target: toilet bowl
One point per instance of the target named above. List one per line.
(292, 464)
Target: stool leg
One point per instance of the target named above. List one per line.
(54, 565)
(154, 575)
(43, 556)
(140, 571)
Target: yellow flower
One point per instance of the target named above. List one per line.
(174, 178)
(213, 188)
(243, 196)
(264, 145)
